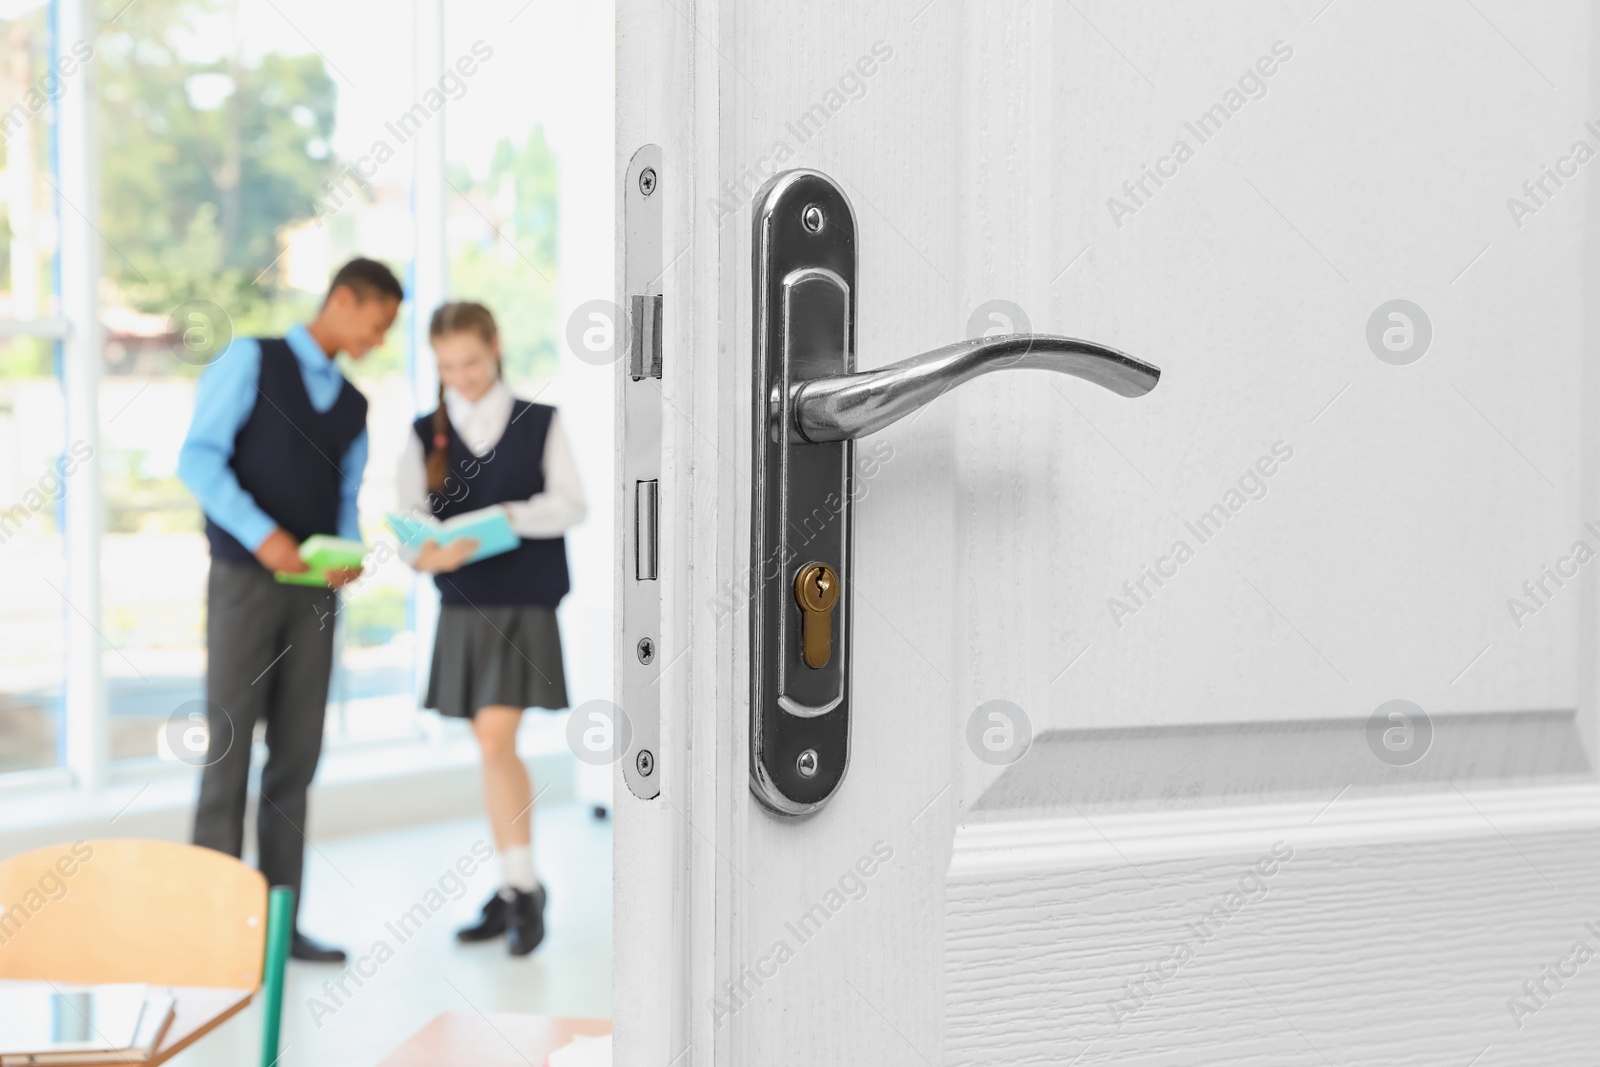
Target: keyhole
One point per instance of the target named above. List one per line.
(816, 591)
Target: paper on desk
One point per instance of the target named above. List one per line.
(582, 1052)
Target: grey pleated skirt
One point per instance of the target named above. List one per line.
(496, 655)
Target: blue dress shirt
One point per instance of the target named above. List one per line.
(223, 402)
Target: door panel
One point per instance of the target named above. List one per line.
(1356, 527)
(1403, 947)
(1379, 562)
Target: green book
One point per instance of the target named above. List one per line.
(323, 554)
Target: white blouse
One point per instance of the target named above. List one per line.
(480, 424)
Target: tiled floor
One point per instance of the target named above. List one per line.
(357, 890)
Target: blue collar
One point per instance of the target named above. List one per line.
(313, 360)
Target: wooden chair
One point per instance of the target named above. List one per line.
(143, 911)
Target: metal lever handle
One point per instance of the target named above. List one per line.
(843, 407)
(807, 407)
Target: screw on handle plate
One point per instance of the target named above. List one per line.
(816, 590)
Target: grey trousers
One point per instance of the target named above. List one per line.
(270, 654)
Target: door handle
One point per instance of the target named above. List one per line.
(809, 407)
(843, 407)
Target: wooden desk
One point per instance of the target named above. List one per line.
(491, 1040)
(196, 1013)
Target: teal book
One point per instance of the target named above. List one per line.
(323, 554)
(490, 527)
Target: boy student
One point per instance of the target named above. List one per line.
(275, 454)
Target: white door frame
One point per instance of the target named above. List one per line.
(669, 883)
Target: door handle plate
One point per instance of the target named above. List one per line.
(810, 405)
(805, 301)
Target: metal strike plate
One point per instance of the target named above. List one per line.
(805, 287)
(639, 479)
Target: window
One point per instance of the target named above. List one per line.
(242, 150)
(36, 462)
(230, 204)
(32, 638)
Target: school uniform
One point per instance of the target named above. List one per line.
(279, 439)
(498, 642)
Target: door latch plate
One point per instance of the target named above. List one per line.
(639, 672)
(804, 252)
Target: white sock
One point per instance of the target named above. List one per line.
(516, 868)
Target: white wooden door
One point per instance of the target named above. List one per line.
(1358, 238)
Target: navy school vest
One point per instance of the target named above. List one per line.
(535, 572)
(287, 453)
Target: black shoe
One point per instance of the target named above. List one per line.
(491, 924)
(525, 923)
(302, 947)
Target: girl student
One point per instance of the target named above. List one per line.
(497, 649)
